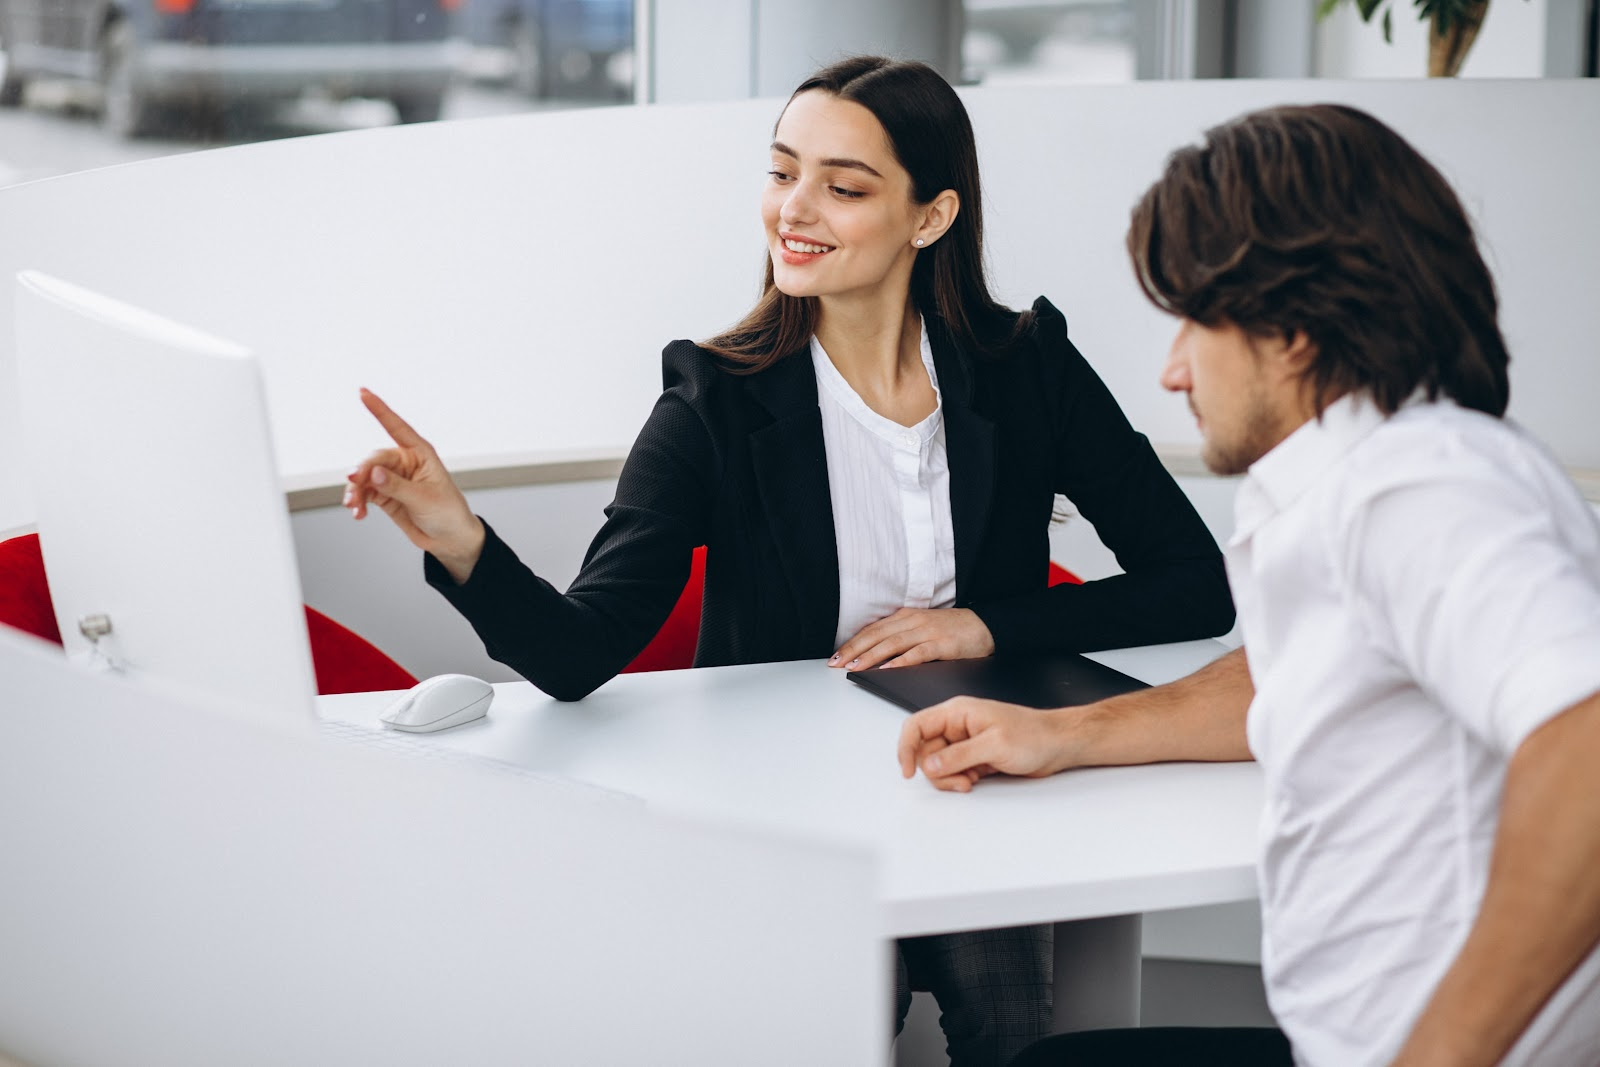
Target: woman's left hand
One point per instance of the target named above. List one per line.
(916, 635)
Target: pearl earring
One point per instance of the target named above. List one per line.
(919, 242)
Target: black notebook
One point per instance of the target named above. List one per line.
(1036, 681)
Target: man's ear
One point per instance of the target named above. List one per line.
(938, 217)
(1299, 352)
(1296, 355)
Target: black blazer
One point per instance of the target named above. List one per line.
(737, 463)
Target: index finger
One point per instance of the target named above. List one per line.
(923, 728)
(397, 428)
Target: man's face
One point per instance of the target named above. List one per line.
(1242, 390)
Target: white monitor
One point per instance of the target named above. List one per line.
(159, 509)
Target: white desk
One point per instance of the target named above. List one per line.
(798, 746)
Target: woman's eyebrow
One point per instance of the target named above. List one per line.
(838, 161)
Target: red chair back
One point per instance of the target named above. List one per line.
(24, 593)
(344, 661)
(1059, 575)
(672, 648)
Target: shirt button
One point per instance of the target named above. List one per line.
(908, 439)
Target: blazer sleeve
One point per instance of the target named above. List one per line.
(1173, 586)
(568, 644)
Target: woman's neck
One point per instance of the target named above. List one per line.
(877, 347)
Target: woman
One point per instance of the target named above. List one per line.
(871, 459)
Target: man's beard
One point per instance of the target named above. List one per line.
(1258, 433)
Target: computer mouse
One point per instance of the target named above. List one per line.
(440, 702)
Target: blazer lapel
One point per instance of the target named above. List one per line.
(790, 461)
(970, 451)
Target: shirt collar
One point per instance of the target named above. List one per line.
(1279, 478)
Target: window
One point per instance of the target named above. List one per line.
(83, 88)
(1036, 43)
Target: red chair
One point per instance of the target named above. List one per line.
(672, 648)
(1059, 575)
(344, 661)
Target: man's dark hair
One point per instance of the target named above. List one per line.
(1325, 220)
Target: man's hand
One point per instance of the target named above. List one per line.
(961, 740)
(916, 635)
(1201, 717)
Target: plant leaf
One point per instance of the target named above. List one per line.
(1388, 26)
(1326, 8)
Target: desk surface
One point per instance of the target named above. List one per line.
(796, 745)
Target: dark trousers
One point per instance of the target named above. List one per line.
(1160, 1047)
(993, 989)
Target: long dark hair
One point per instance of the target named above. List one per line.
(1325, 220)
(931, 136)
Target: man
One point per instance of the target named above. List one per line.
(1419, 589)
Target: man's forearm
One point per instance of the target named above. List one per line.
(1541, 908)
(1201, 717)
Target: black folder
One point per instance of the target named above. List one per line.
(1037, 681)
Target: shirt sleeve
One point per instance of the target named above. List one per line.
(568, 644)
(1474, 584)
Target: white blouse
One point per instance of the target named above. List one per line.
(890, 488)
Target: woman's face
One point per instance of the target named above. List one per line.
(837, 206)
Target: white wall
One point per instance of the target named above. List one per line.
(509, 282)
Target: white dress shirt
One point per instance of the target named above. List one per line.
(890, 488)
(1417, 594)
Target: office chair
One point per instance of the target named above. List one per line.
(1059, 575)
(344, 661)
(672, 648)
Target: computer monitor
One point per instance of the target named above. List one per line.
(161, 519)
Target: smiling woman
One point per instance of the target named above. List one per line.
(884, 138)
(871, 458)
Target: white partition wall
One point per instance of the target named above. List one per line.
(509, 282)
(180, 887)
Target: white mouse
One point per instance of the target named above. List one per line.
(440, 702)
